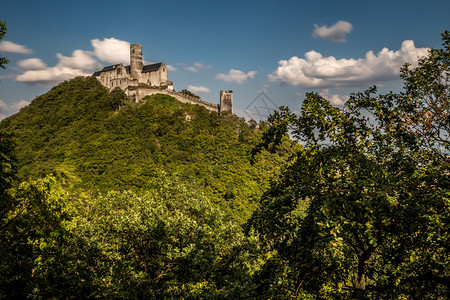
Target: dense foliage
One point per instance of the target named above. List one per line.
(83, 131)
(363, 210)
(139, 199)
(167, 242)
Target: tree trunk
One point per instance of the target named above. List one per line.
(359, 287)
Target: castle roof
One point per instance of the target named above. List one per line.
(106, 69)
(109, 68)
(151, 68)
(145, 69)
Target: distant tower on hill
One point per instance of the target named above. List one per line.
(136, 64)
(226, 101)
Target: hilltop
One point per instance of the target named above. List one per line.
(81, 130)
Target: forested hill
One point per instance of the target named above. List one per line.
(103, 142)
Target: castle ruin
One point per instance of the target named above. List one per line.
(138, 81)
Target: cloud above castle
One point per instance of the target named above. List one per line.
(112, 50)
(80, 63)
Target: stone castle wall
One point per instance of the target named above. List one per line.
(153, 78)
(139, 81)
(140, 93)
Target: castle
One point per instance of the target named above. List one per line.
(138, 81)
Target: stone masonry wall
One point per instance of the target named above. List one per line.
(142, 92)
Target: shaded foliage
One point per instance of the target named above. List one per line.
(362, 211)
(169, 242)
(359, 208)
(7, 172)
(29, 231)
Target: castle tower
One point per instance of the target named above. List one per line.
(136, 64)
(226, 101)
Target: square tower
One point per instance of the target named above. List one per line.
(226, 101)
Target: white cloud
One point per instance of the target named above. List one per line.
(7, 46)
(235, 76)
(32, 64)
(334, 98)
(49, 76)
(336, 33)
(81, 63)
(193, 69)
(197, 67)
(9, 109)
(198, 89)
(18, 105)
(112, 50)
(80, 60)
(171, 68)
(316, 71)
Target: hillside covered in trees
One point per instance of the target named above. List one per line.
(105, 142)
(104, 198)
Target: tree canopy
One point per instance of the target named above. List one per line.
(363, 209)
(82, 130)
(101, 197)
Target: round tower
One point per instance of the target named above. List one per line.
(136, 64)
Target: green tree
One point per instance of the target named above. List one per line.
(363, 210)
(426, 102)
(30, 230)
(189, 93)
(7, 174)
(73, 127)
(168, 242)
(3, 60)
(117, 98)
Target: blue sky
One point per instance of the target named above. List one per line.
(282, 48)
